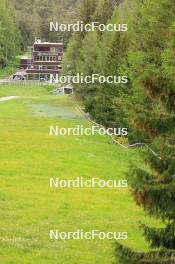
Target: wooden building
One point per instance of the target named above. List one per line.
(46, 60)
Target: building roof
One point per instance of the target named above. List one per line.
(39, 42)
(24, 57)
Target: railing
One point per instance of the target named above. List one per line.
(40, 53)
(43, 71)
(24, 82)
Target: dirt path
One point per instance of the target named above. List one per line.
(2, 99)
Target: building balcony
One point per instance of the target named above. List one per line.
(49, 63)
(44, 68)
(45, 53)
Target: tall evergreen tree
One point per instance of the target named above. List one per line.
(112, 62)
(8, 33)
(99, 59)
(105, 101)
(152, 71)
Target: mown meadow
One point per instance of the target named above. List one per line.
(29, 208)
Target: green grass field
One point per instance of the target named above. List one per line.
(29, 208)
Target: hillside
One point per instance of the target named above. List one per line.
(34, 17)
(29, 157)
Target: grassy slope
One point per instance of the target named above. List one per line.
(29, 209)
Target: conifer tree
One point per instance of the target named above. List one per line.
(101, 54)
(87, 64)
(152, 72)
(8, 33)
(87, 48)
(111, 62)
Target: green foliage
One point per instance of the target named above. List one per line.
(34, 17)
(72, 54)
(98, 54)
(8, 33)
(146, 105)
(86, 9)
(12, 66)
(103, 11)
(125, 256)
(152, 73)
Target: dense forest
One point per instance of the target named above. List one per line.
(9, 43)
(145, 105)
(34, 17)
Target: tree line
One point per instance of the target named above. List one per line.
(9, 34)
(146, 104)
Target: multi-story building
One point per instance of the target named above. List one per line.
(46, 60)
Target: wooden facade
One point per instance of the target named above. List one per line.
(46, 60)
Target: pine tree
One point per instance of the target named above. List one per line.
(87, 48)
(87, 64)
(107, 105)
(152, 73)
(8, 33)
(103, 54)
(111, 62)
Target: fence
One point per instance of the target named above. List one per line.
(27, 83)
